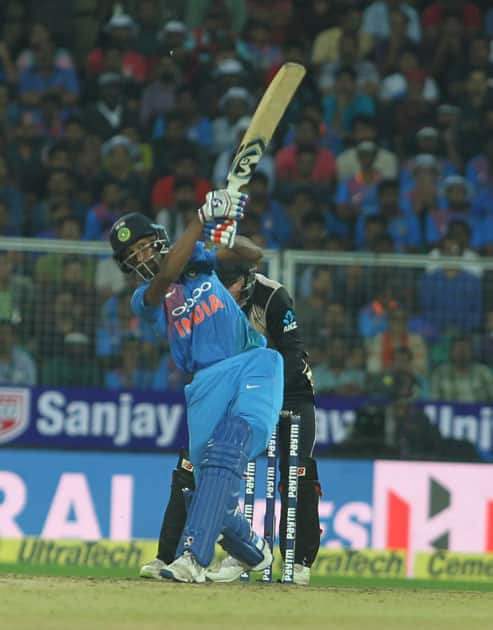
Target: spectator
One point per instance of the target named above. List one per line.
(447, 54)
(403, 228)
(306, 163)
(451, 297)
(435, 13)
(257, 49)
(413, 110)
(480, 177)
(346, 103)
(461, 379)
(373, 318)
(397, 84)
(236, 12)
(16, 293)
(119, 156)
(458, 208)
(176, 217)
(173, 143)
(234, 105)
(310, 18)
(61, 188)
(382, 347)
(370, 230)
(185, 165)
(130, 371)
(74, 366)
(101, 216)
(116, 323)
(66, 303)
(109, 114)
(174, 36)
(389, 50)
(376, 19)
(312, 309)
(326, 46)
(50, 267)
(460, 233)
(45, 78)
(39, 36)
(483, 341)
(428, 142)
(148, 18)
(8, 72)
(59, 212)
(314, 234)
(199, 127)
(286, 159)
(159, 96)
(12, 197)
(367, 77)
(275, 226)
(477, 98)
(121, 30)
(333, 376)
(7, 228)
(17, 367)
(336, 322)
(108, 279)
(400, 375)
(364, 129)
(408, 430)
(358, 194)
(422, 197)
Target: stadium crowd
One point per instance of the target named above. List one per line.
(107, 107)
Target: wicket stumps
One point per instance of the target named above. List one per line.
(270, 496)
(270, 500)
(292, 503)
(249, 502)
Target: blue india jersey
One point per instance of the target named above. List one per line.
(200, 319)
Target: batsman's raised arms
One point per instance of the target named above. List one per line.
(267, 116)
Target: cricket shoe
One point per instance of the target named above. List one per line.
(230, 569)
(301, 575)
(184, 569)
(152, 569)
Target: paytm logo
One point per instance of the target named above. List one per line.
(427, 506)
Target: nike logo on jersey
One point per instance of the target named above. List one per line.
(169, 294)
(252, 386)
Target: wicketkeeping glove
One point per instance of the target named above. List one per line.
(222, 204)
(222, 234)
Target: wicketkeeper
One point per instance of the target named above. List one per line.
(270, 311)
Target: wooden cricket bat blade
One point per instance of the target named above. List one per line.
(265, 120)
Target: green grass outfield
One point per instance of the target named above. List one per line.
(59, 598)
(29, 602)
(17, 570)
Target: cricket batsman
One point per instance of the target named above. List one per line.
(235, 397)
(270, 310)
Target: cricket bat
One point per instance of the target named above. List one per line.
(267, 116)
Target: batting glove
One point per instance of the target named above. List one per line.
(222, 204)
(222, 234)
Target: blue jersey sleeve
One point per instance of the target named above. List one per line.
(202, 254)
(150, 314)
